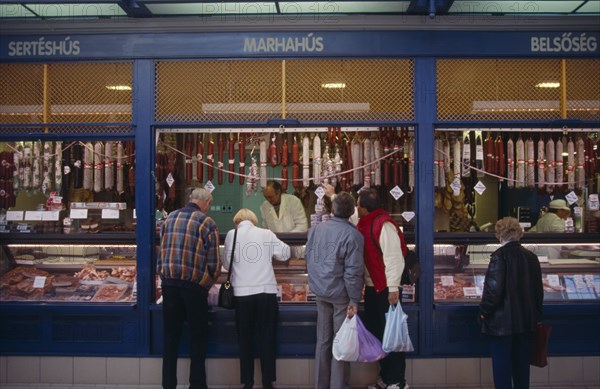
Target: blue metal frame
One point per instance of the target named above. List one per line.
(140, 337)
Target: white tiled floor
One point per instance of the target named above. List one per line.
(35, 372)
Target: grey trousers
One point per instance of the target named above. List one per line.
(330, 373)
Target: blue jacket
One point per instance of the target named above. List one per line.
(334, 258)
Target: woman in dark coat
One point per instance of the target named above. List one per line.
(511, 306)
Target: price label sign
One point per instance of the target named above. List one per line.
(320, 192)
(14, 216)
(110, 214)
(33, 215)
(50, 216)
(571, 198)
(408, 215)
(39, 282)
(209, 186)
(471, 291)
(170, 180)
(480, 188)
(396, 192)
(593, 203)
(78, 214)
(447, 280)
(553, 280)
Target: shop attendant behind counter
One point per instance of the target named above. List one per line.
(282, 212)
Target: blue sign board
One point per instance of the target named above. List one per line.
(539, 44)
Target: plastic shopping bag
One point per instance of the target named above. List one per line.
(395, 334)
(345, 343)
(369, 347)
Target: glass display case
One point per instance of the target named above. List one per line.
(570, 270)
(80, 272)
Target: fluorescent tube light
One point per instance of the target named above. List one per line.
(118, 87)
(333, 85)
(548, 85)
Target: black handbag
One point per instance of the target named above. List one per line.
(226, 297)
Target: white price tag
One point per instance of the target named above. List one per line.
(471, 291)
(593, 203)
(543, 258)
(408, 215)
(15, 216)
(480, 188)
(134, 214)
(456, 186)
(39, 282)
(396, 192)
(110, 214)
(553, 280)
(170, 180)
(571, 198)
(209, 186)
(50, 215)
(33, 215)
(78, 214)
(320, 192)
(447, 280)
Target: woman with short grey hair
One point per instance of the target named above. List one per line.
(511, 306)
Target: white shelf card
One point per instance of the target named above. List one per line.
(39, 282)
(50, 216)
(79, 214)
(110, 214)
(14, 216)
(33, 215)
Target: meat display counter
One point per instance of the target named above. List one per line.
(570, 270)
(69, 271)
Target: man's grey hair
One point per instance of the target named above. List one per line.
(343, 205)
(200, 194)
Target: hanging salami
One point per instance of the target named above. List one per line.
(317, 160)
(530, 156)
(559, 165)
(520, 152)
(366, 162)
(263, 164)
(479, 156)
(501, 165)
(510, 163)
(296, 181)
(36, 168)
(199, 156)
(17, 168)
(570, 164)
(273, 155)
(47, 169)
(551, 161)
(305, 161)
(109, 179)
(98, 167)
(119, 166)
(220, 156)
(210, 168)
(231, 159)
(580, 172)
(540, 163)
(242, 158)
(189, 168)
(88, 166)
(466, 156)
(58, 167)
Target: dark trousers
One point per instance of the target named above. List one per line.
(510, 360)
(179, 305)
(393, 367)
(256, 319)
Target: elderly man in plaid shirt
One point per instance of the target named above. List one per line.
(188, 266)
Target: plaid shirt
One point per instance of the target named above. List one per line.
(189, 249)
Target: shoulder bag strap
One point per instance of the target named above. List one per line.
(232, 251)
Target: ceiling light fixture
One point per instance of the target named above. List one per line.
(118, 87)
(548, 85)
(333, 85)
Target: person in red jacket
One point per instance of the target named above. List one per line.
(384, 261)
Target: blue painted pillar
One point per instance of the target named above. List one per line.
(425, 109)
(143, 114)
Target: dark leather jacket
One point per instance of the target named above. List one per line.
(513, 293)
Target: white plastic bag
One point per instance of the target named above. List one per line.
(395, 334)
(345, 343)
